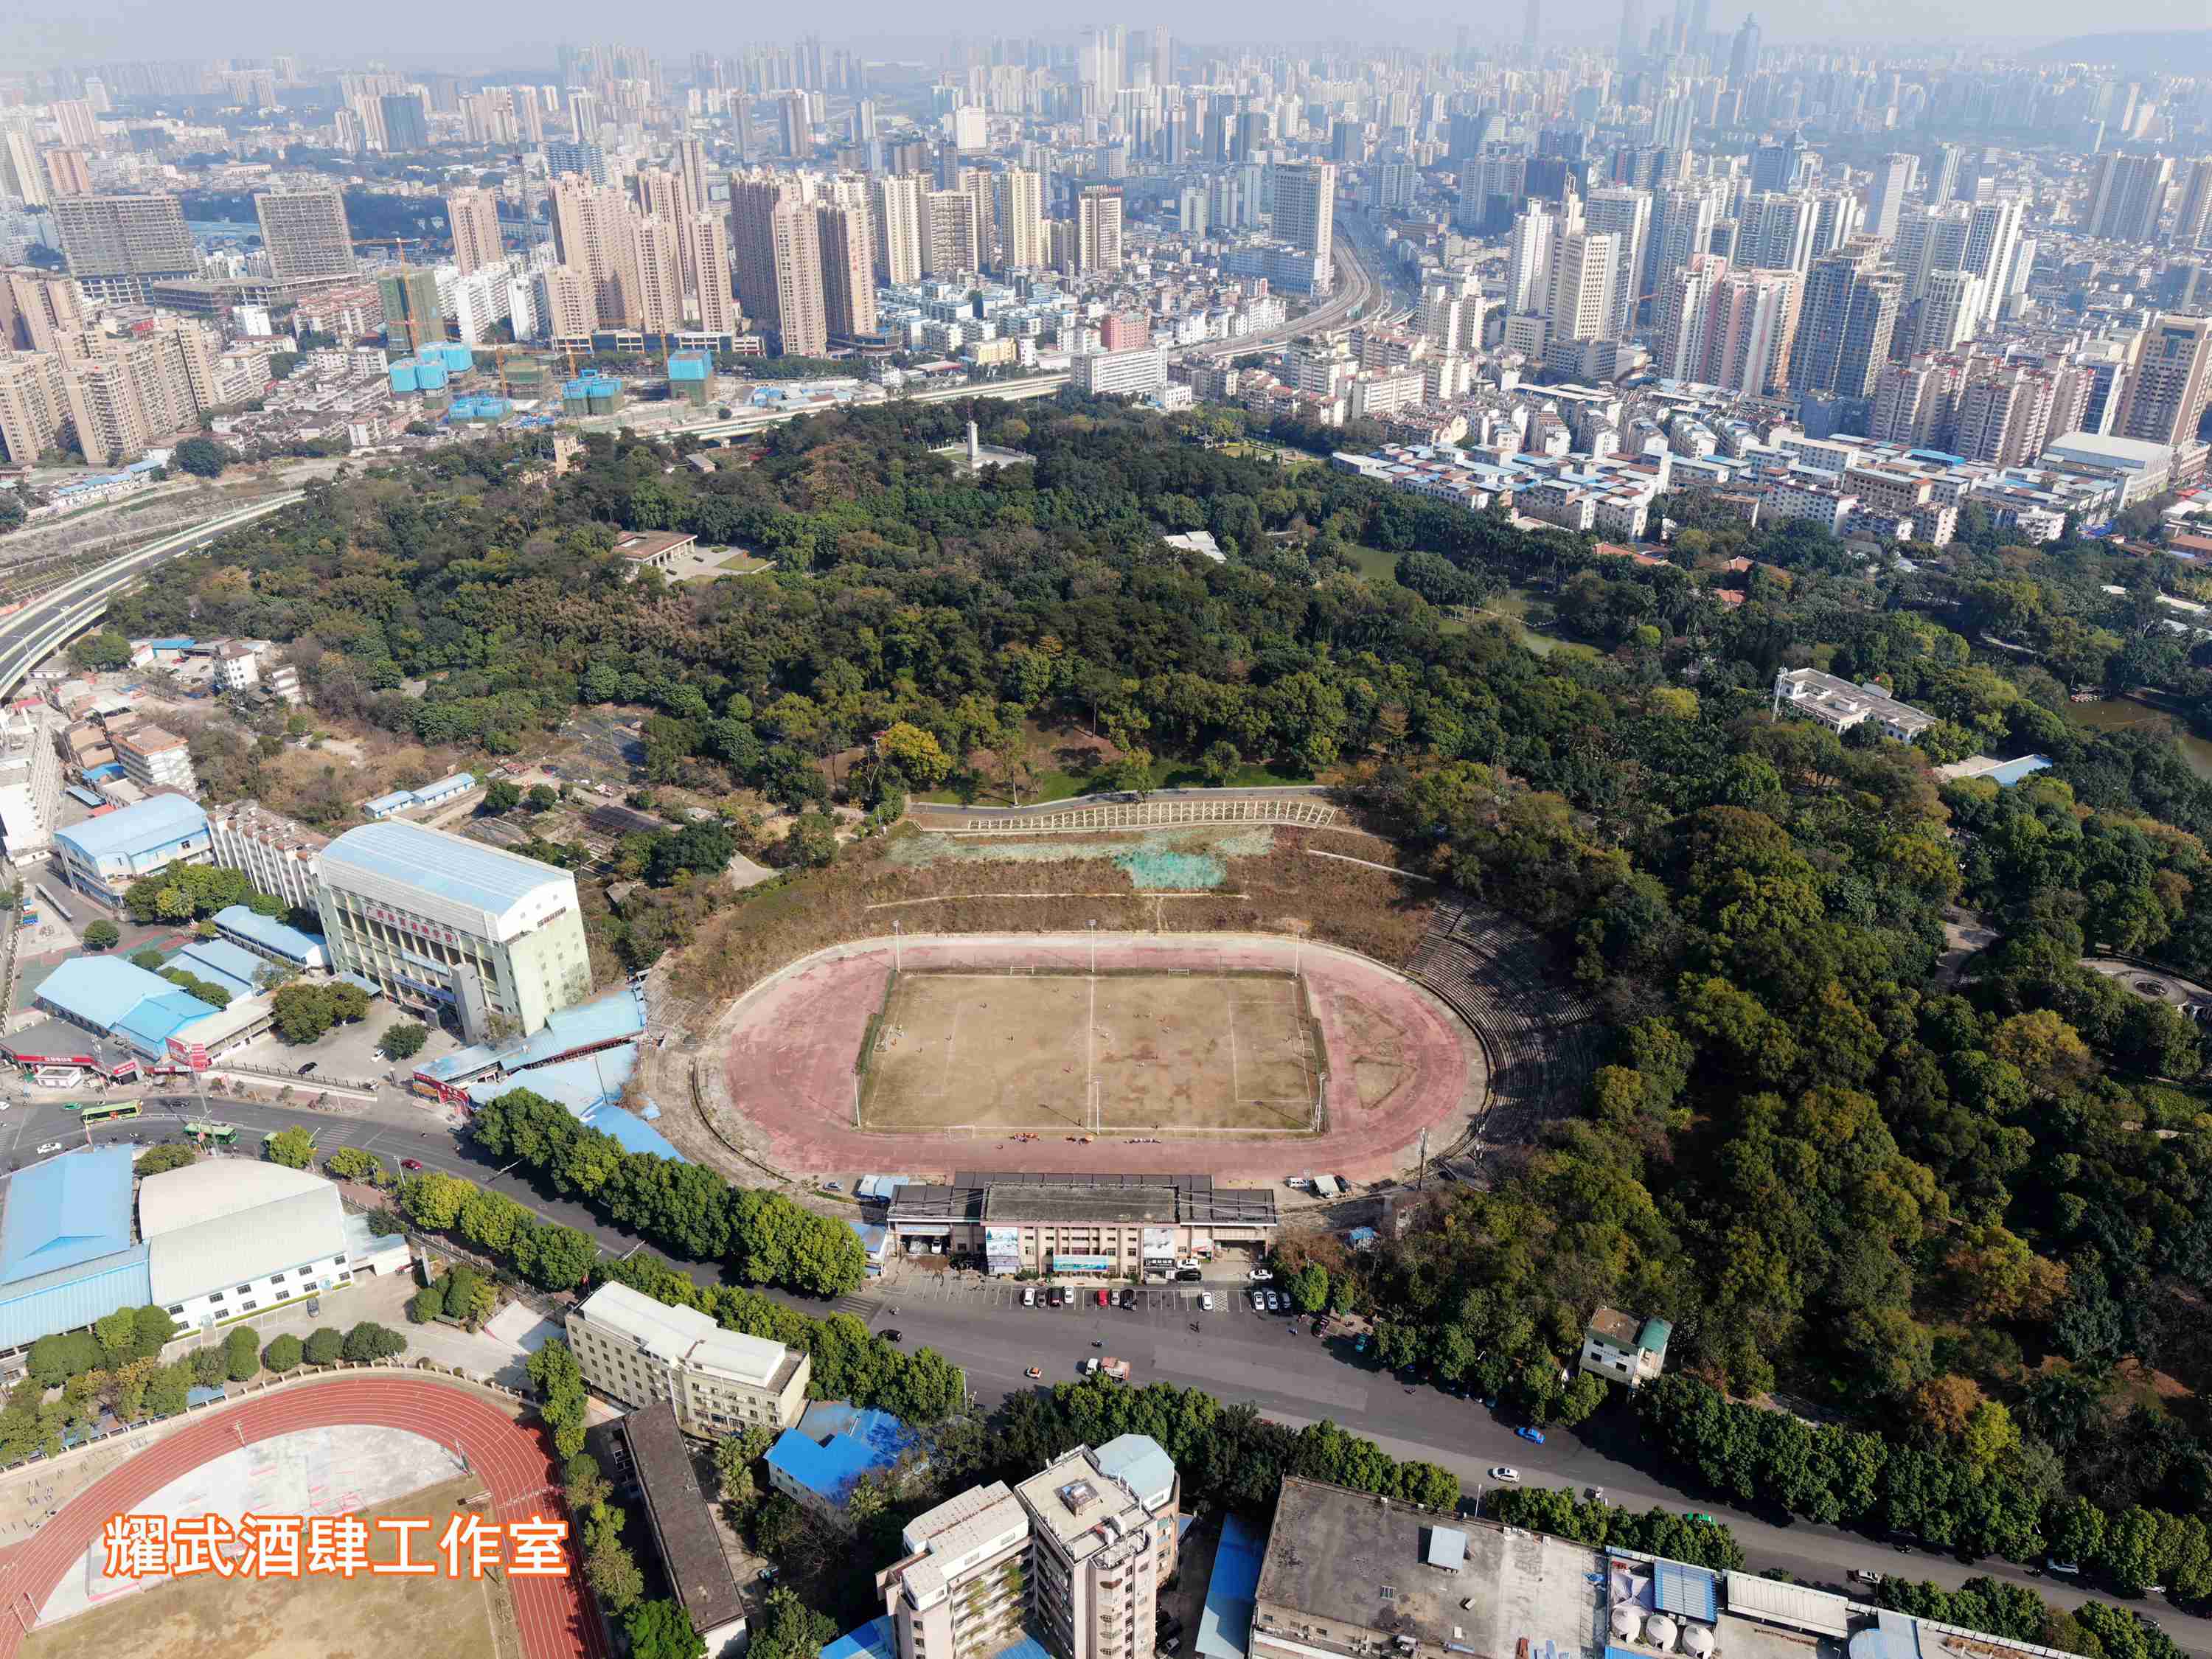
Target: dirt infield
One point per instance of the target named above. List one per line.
(1399, 1062)
(509, 1459)
(1141, 1053)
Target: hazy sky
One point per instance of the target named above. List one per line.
(46, 32)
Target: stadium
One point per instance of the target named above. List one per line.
(1232, 1052)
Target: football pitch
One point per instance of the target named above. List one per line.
(1062, 1054)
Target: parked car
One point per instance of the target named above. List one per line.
(1259, 1275)
(2067, 1568)
(833, 1186)
(410, 1163)
(1188, 1275)
(1033, 1373)
(308, 1067)
(49, 1146)
(1128, 1298)
(894, 1336)
(1866, 1576)
(1205, 1300)
(1102, 1298)
(1506, 1472)
(1029, 1295)
(1058, 1297)
(1259, 1302)
(1526, 1433)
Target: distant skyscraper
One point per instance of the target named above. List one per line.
(1845, 326)
(1893, 178)
(1305, 213)
(848, 279)
(2126, 196)
(21, 174)
(1626, 216)
(1743, 55)
(406, 125)
(706, 235)
(472, 215)
(1942, 173)
(1020, 214)
(2192, 223)
(1631, 31)
(796, 117)
(1775, 166)
(1532, 25)
(306, 234)
(901, 239)
(592, 223)
(1098, 228)
(1582, 306)
(1163, 56)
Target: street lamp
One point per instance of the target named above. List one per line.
(1094, 947)
(898, 933)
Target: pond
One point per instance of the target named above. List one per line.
(2124, 714)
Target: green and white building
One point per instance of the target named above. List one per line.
(438, 921)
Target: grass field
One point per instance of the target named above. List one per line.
(304, 1618)
(1165, 1054)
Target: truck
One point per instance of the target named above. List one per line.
(1116, 1369)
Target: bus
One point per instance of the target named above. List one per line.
(212, 1134)
(98, 1114)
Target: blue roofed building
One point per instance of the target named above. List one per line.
(103, 856)
(385, 806)
(873, 1640)
(268, 938)
(109, 998)
(875, 1243)
(819, 1464)
(66, 1255)
(218, 962)
(1224, 1627)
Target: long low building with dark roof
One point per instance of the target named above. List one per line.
(1081, 1225)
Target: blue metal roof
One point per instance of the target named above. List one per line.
(579, 1084)
(462, 1062)
(460, 872)
(292, 943)
(231, 966)
(630, 1133)
(610, 1018)
(1225, 1628)
(1027, 1648)
(459, 783)
(1138, 1460)
(97, 992)
(150, 1023)
(1690, 1591)
(856, 1441)
(873, 1640)
(132, 831)
(65, 1211)
(391, 802)
(69, 1297)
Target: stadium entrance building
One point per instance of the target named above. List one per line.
(1081, 1227)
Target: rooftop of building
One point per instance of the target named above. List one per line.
(686, 1336)
(1079, 1504)
(65, 1212)
(682, 1524)
(651, 544)
(102, 992)
(232, 967)
(1141, 1463)
(279, 937)
(150, 823)
(1077, 1197)
(837, 1442)
(453, 868)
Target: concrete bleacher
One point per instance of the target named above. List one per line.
(1536, 1027)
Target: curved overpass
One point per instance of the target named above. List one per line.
(52, 618)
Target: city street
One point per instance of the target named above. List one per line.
(1235, 1354)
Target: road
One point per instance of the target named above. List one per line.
(1270, 792)
(48, 621)
(1235, 1354)
(1353, 287)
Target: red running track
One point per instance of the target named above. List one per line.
(511, 1460)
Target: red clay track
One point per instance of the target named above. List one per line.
(510, 1459)
(788, 1061)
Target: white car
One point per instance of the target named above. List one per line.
(1029, 1295)
(1275, 1303)
(1506, 1474)
(1259, 1276)
(1205, 1300)
(1259, 1302)
(50, 1147)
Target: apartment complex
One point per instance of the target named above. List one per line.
(30, 783)
(638, 1351)
(155, 759)
(472, 215)
(116, 246)
(1077, 1553)
(440, 922)
(307, 234)
(278, 855)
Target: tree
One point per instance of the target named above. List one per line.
(403, 1041)
(1309, 1288)
(172, 1155)
(370, 1341)
(106, 650)
(241, 1354)
(150, 960)
(426, 1304)
(324, 1346)
(293, 1148)
(202, 458)
(282, 1354)
(810, 842)
(662, 1630)
(500, 797)
(1219, 764)
(102, 934)
(914, 754)
(542, 798)
(303, 1013)
(790, 1629)
(352, 1164)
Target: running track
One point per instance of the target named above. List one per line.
(510, 1458)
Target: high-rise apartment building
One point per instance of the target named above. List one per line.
(1305, 214)
(1020, 214)
(306, 234)
(2192, 219)
(1098, 228)
(1582, 275)
(802, 324)
(656, 257)
(1949, 312)
(796, 124)
(472, 217)
(132, 392)
(37, 309)
(21, 174)
(708, 236)
(1775, 231)
(115, 245)
(897, 223)
(848, 285)
(2002, 415)
(1846, 321)
(2126, 195)
(2172, 378)
(413, 317)
(1077, 1553)
(569, 305)
(952, 245)
(1751, 330)
(34, 404)
(69, 171)
(592, 230)
(1885, 194)
(1626, 216)
(1680, 311)
(406, 123)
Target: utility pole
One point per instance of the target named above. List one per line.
(1422, 1180)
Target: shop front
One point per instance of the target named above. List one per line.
(1158, 1251)
(1082, 1267)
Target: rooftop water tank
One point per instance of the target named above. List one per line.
(1659, 1630)
(1698, 1641)
(1626, 1620)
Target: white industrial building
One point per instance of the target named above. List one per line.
(636, 1350)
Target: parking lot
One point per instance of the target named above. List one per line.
(1163, 1305)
